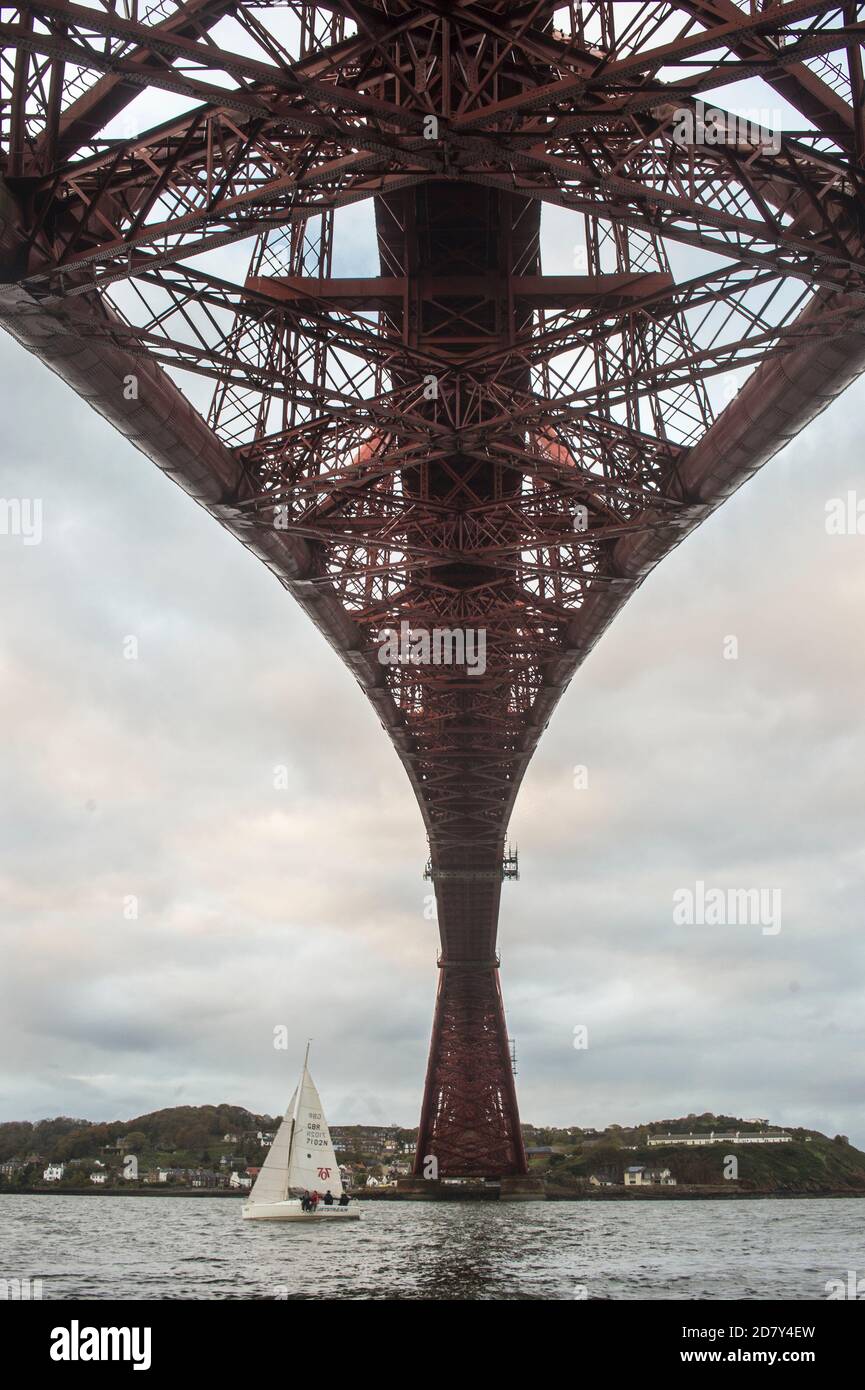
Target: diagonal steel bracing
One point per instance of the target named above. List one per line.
(457, 439)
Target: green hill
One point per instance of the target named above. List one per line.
(810, 1162)
(182, 1135)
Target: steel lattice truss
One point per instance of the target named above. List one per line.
(454, 439)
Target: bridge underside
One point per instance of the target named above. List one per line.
(459, 442)
(459, 252)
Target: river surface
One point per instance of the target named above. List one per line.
(200, 1248)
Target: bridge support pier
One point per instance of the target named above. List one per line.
(470, 1125)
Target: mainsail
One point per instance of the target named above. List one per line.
(301, 1157)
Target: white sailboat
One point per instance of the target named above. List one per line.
(301, 1159)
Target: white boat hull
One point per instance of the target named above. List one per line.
(291, 1210)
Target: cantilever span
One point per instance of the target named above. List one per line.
(463, 438)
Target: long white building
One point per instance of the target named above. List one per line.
(697, 1140)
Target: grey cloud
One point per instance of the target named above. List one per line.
(305, 906)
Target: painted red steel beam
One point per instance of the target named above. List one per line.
(106, 98)
(795, 82)
(776, 402)
(538, 291)
(452, 508)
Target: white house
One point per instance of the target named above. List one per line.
(171, 1174)
(203, 1178)
(54, 1172)
(649, 1177)
(239, 1180)
(662, 1176)
(98, 1178)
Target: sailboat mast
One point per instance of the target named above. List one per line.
(297, 1096)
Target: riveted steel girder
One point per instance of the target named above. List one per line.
(456, 441)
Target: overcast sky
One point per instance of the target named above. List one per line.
(305, 906)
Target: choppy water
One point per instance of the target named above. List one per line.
(165, 1248)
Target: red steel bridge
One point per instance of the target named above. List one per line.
(449, 435)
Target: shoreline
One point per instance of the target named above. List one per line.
(692, 1194)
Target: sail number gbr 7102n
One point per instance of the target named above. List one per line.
(316, 1131)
